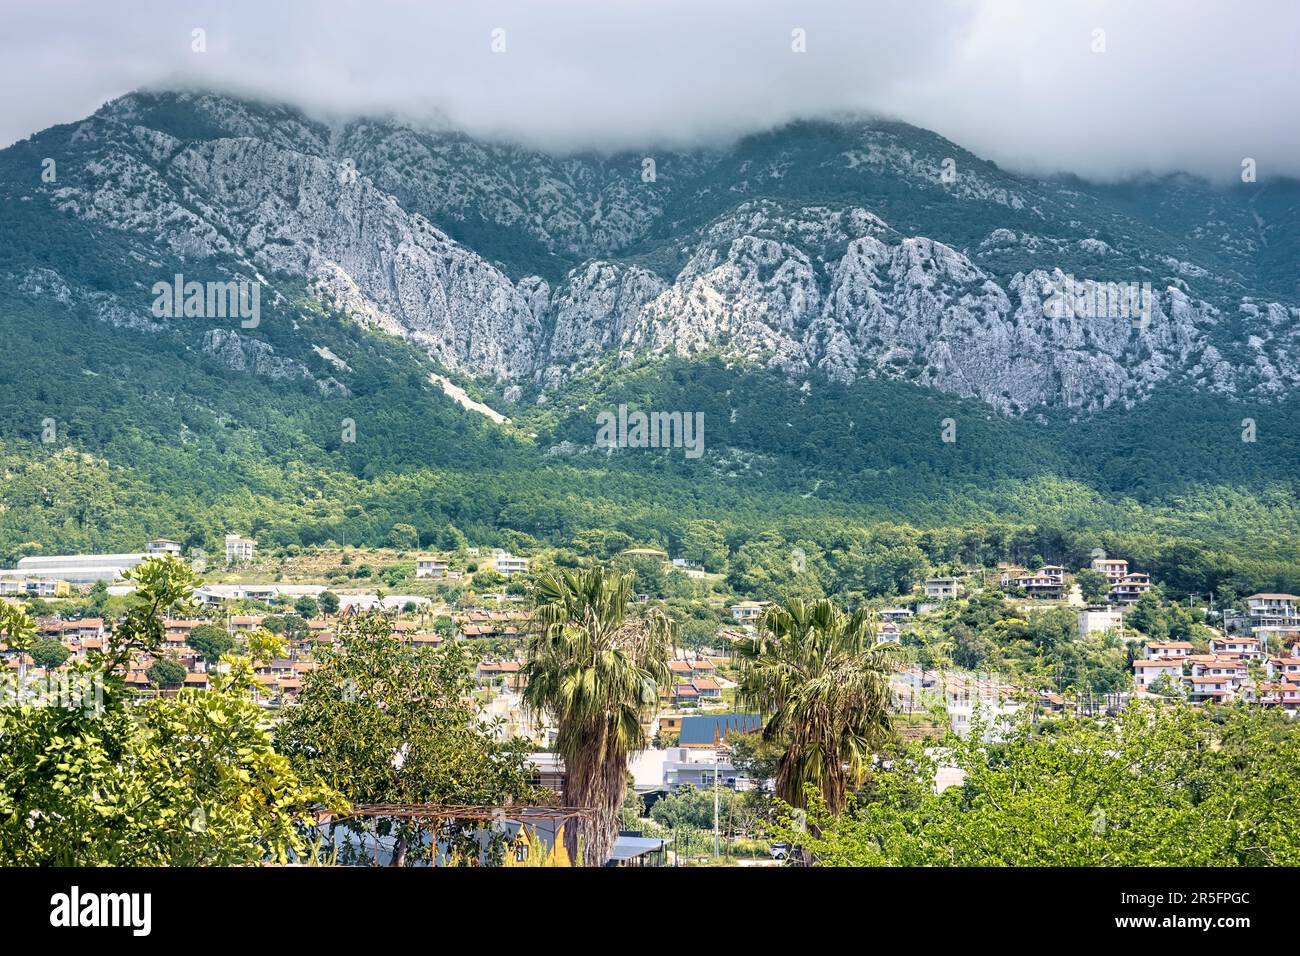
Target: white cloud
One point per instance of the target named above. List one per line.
(1182, 84)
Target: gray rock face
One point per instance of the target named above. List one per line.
(795, 286)
(246, 354)
(593, 312)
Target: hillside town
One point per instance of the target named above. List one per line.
(482, 599)
(1251, 653)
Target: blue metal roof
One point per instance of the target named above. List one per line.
(708, 729)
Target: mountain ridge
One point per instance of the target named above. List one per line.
(769, 252)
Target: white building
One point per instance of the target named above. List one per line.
(162, 546)
(1262, 610)
(80, 568)
(1115, 570)
(747, 612)
(216, 593)
(1147, 672)
(941, 589)
(1245, 646)
(1130, 587)
(507, 564)
(239, 550)
(1167, 651)
(429, 567)
(1100, 620)
(968, 698)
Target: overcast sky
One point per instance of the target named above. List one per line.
(1181, 84)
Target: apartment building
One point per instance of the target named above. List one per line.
(748, 612)
(430, 567)
(1247, 647)
(507, 564)
(1047, 584)
(1147, 672)
(1130, 587)
(1114, 569)
(239, 550)
(942, 589)
(1263, 610)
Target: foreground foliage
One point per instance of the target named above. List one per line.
(1155, 787)
(385, 722)
(186, 780)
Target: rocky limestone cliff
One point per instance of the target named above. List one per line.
(667, 266)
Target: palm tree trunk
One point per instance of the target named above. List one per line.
(594, 780)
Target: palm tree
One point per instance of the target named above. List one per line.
(596, 670)
(19, 632)
(823, 682)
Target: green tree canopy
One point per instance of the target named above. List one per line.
(595, 667)
(166, 672)
(49, 653)
(183, 781)
(824, 683)
(211, 641)
(384, 722)
(1158, 786)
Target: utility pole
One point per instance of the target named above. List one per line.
(716, 755)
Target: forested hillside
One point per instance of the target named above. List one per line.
(860, 334)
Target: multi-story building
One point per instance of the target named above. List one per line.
(239, 550)
(1147, 672)
(47, 587)
(967, 697)
(507, 564)
(942, 589)
(1284, 668)
(1046, 584)
(1208, 689)
(34, 586)
(1114, 569)
(1262, 610)
(1285, 695)
(1099, 620)
(1244, 646)
(430, 567)
(160, 546)
(747, 612)
(1167, 651)
(1130, 587)
(1229, 668)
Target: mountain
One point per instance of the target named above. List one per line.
(833, 246)
(826, 294)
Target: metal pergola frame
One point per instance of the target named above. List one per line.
(454, 811)
(440, 813)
